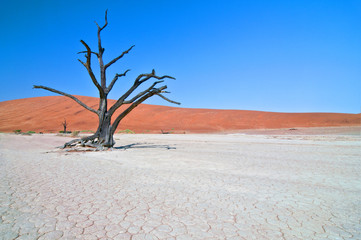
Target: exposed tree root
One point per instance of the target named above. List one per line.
(90, 143)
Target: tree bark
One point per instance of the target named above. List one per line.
(105, 137)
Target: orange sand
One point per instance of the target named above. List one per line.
(46, 114)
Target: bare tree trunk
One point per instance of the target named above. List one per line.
(105, 135)
(64, 125)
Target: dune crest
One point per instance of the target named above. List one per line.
(46, 114)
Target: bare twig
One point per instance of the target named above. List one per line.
(119, 57)
(106, 21)
(144, 77)
(167, 99)
(95, 53)
(115, 79)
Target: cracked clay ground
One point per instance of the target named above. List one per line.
(182, 187)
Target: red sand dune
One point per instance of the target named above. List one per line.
(46, 114)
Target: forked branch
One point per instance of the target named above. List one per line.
(139, 95)
(109, 88)
(69, 96)
(144, 77)
(106, 22)
(151, 93)
(101, 49)
(138, 81)
(87, 65)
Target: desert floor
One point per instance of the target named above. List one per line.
(231, 186)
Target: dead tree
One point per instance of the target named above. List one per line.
(103, 137)
(64, 125)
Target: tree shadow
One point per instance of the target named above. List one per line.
(143, 145)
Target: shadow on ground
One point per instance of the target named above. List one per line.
(143, 145)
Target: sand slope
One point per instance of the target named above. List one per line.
(47, 113)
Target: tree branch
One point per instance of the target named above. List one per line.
(115, 79)
(151, 75)
(95, 53)
(87, 65)
(101, 51)
(138, 81)
(69, 96)
(106, 21)
(84, 64)
(142, 93)
(167, 99)
(119, 57)
(151, 93)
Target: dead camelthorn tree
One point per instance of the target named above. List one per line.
(103, 137)
(65, 124)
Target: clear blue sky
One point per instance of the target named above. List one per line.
(283, 56)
